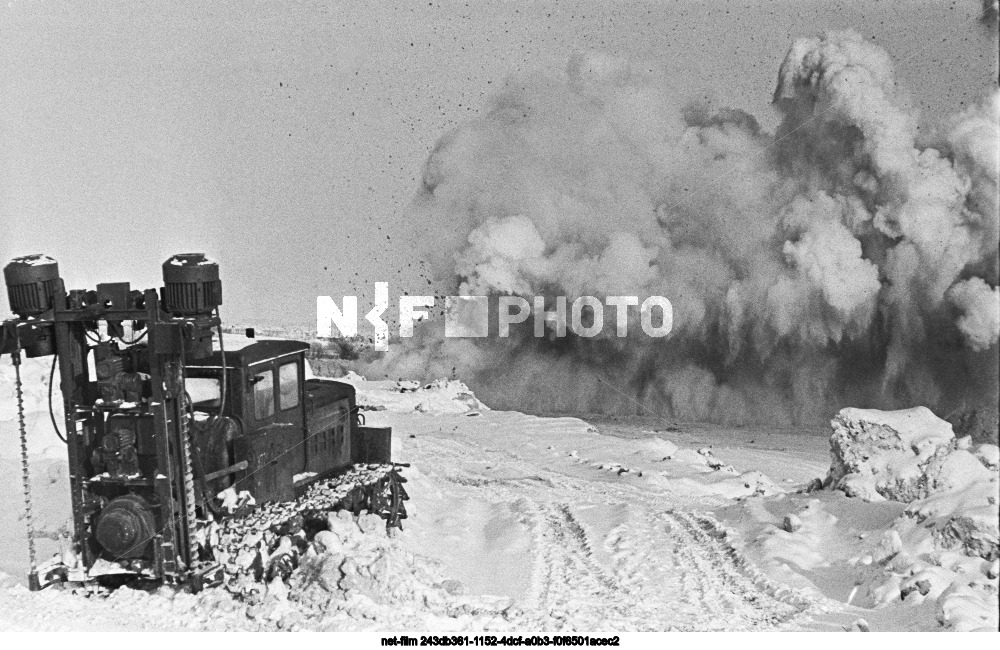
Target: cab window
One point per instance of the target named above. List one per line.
(288, 384)
(263, 394)
(205, 392)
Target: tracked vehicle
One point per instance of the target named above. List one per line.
(189, 462)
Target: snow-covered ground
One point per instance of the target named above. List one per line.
(519, 523)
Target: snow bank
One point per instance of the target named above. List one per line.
(911, 456)
(888, 454)
(944, 547)
(915, 562)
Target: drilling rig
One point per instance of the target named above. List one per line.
(187, 462)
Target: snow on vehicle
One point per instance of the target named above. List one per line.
(188, 462)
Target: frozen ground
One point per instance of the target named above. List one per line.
(556, 524)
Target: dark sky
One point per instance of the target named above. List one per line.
(286, 140)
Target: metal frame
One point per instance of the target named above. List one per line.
(169, 493)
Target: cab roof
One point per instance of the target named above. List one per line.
(242, 351)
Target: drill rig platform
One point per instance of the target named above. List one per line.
(174, 444)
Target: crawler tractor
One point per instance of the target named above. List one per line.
(188, 462)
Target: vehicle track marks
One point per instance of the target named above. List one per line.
(672, 567)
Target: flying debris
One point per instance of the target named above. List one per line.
(839, 260)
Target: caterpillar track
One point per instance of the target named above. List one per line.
(265, 542)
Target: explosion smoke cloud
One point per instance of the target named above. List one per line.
(841, 260)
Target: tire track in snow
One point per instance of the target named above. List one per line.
(671, 567)
(570, 590)
(730, 595)
(740, 576)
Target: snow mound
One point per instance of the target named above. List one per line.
(746, 484)
(912, 563)
(354, 559)
(893, 455)
(691, 457)
(442, 396)
(659, 449)
(356, 576)
(965, 516)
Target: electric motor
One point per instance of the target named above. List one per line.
(191, 285)
(31, 283)
(126, 528)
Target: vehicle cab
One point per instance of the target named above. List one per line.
(280, 427)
